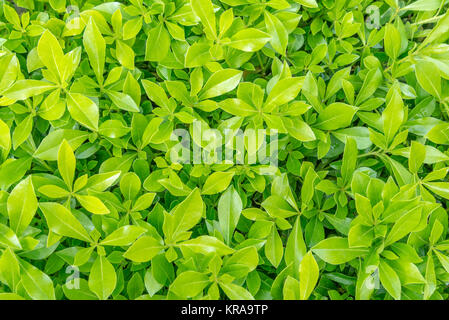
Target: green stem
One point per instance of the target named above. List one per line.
(430, 20)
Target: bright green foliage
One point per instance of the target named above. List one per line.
(94, 206)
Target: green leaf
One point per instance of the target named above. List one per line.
(82, 293)
(284, 91)
(36, 283)
(144, 249)
(102, 181)
(299, 129)
(404, 225)
(336, 250)
(125, 55)
(439, 32)
(101, 108)
(13, 170)
(444, 260)
(83, 110)
(220, 83)
(229, 210)
(61, 221)
(51, 54)
(308, 275)
(274, 249)
(123, 236)
(371, 83)
(189, 284)
(217, 182)
(66, 163)
(417, 156)
(277, 31)
(207, 245)
(10, 296)
(296, 247)
(130, 185)
(49, 147)
(95, 46)
(277, 206)
(235, 292)
(22, 205)
(197, 55)
(392, 41)
(58, 5)
(92, 204)
(335, 116)
(390, 280)
(308, 3)
(185, 215)
(11, 15)
(241, 262)
(237, 107)
(349, 160)
(158, 43)
(5, 136)
(123, 101)
(439, 188)
(155, 93)
(102, 278)
(249, 40)
(26, 88)
(428, 76)
(439, 133)
(205, 11)
(423, 5)
(9, 269)
(22, 131)
(291, 289)
(8, 238)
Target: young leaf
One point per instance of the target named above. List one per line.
(95, 46)
(205, 11)
(308, 275)
(66, 163)
(22, 205)
(229, 210)
(61, 221)
(83, 110)
(102, 278)
(51, 54)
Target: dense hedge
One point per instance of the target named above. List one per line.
(351, 98)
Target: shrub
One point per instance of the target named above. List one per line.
(224, 149)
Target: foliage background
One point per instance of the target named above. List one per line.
(91, 207)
